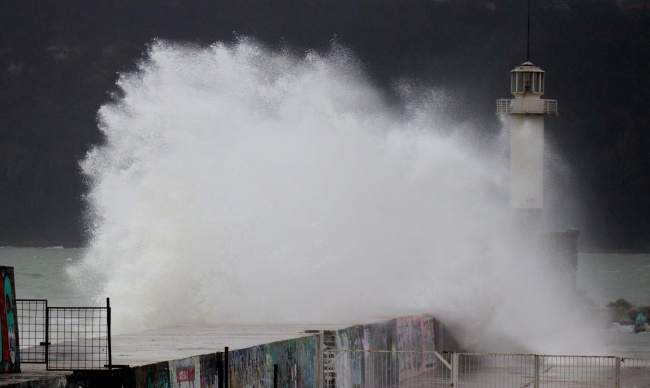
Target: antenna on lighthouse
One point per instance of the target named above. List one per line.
(528, 35)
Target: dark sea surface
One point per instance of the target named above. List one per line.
(608, 277)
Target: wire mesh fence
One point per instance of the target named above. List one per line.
(32, 323)
(514, 370)
(78, 338)
(363, 368)
(635, 372)
(383, 369)
(65, 338)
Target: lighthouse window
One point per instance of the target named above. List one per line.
(527, 82)
(536, 82)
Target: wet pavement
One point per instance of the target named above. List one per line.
(186, 341)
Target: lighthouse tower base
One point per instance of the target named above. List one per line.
(526, 162)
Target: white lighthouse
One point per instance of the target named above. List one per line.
(526, 124)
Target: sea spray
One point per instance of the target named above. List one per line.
(237, 184)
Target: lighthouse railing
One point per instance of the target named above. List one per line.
(527, 106)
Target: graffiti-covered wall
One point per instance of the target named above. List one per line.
(199, 371)
(419, 332)
(408, 334)
(8, 328)
(298, 364)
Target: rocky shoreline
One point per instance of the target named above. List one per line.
(626, 313)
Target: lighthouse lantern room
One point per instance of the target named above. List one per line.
(527, 86)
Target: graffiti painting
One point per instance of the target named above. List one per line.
(8, 326)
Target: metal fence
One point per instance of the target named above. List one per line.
(32, 323)
(64, 338)
(359, 368)
(383, 369)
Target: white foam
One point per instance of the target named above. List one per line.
(241, 185)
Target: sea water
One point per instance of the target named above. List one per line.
(40, 273)
(608, 277)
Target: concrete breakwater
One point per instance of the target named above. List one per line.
(302, 361)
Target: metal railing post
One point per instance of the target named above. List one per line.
(47, 336)
(455, 366)
(108, 329)
(618, 372)
(536, 376)
(220, 376)
(226, 382)
(320, 372)
(276, 375)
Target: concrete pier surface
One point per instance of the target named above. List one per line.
(35, 375)
(178, 342)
